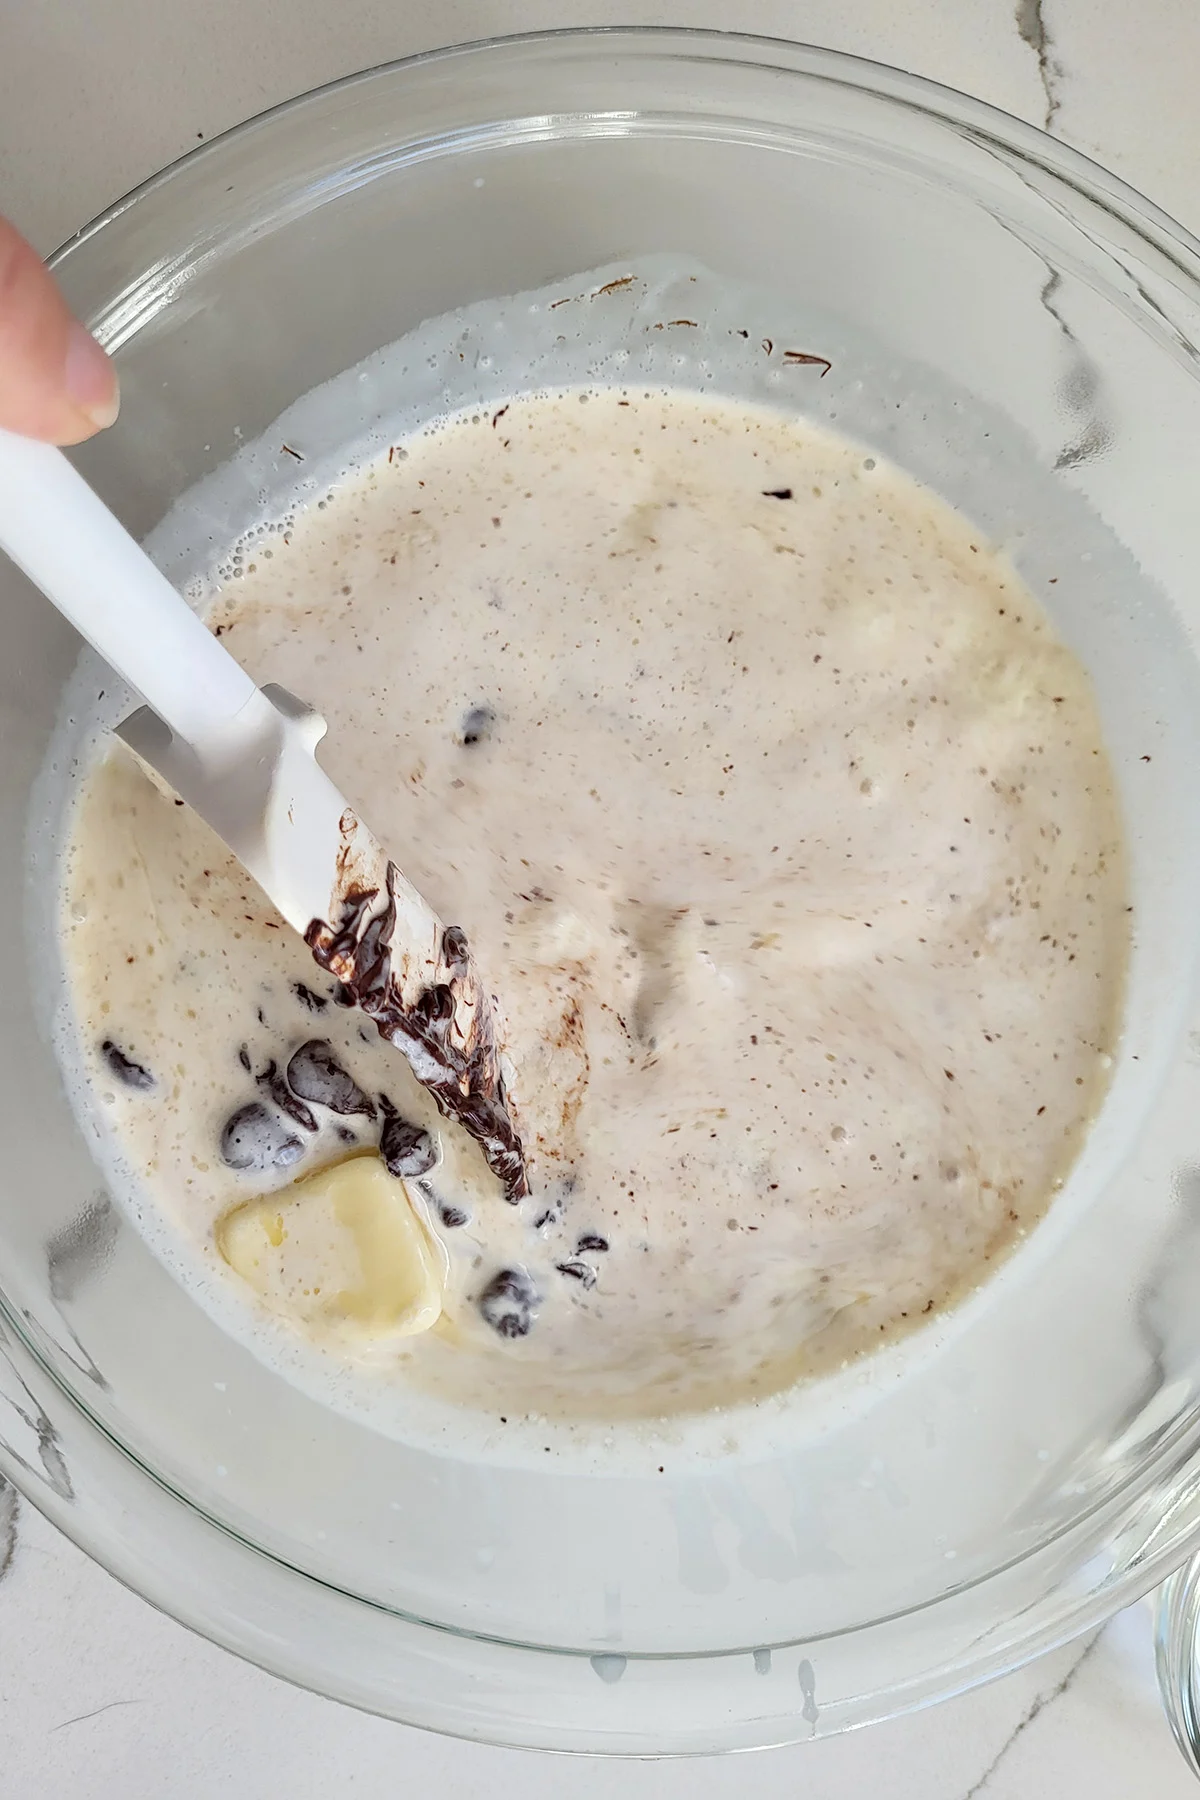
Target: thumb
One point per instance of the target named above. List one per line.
(56, 382)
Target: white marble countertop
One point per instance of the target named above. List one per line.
(102, 1697)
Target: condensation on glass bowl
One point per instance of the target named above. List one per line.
(1007, 323)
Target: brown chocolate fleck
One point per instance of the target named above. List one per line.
(804, 356)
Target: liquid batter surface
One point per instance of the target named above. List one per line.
(777, 817)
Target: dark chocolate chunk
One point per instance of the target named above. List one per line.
(591, 1240)
(315, 1074)
(509, 1303)
(315, 1002)
(255, 1138)
(578, 1271)
(273, 1083)
(455, 948)
(476, 725)
(124, 1068)
(408, 1150)
(436, 1005)
(343, 996)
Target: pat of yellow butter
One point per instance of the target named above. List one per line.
(342, 1253)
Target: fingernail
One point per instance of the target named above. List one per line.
(91, 378)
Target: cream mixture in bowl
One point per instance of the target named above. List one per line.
(780, 822)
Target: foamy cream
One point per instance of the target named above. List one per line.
(780, 823)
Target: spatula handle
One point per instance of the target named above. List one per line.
(65, 539)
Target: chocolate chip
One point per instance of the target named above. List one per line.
(436, 1005)
(450, 1215)
(343, 996)
(273, 1083)
(591, 1240)
(509, 1303)
(476, 725)
(124, 1068)
(315, 1002)
(408, 1150)
(578, 1271)
(244, 1057)
(777, 493)
(255, 1138)
(315, 1074)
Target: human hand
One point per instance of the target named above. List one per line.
(56, 383)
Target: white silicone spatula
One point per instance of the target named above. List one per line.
(244, 758)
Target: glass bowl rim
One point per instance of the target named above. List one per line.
(982, 123)
(839, 68)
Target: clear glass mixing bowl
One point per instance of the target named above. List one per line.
(1024, 329)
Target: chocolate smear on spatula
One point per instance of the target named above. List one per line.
(440, 1016)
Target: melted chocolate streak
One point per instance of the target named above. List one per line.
(447, 1034)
